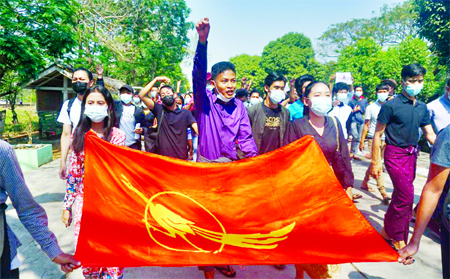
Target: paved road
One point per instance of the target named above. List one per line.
(49, 190)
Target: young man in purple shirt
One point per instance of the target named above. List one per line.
(222, 120)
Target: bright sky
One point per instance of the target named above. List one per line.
(247, 26)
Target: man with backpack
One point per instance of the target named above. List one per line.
(69, 116)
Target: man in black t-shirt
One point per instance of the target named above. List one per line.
(401, 119)
(172, 136)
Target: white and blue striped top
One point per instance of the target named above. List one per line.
(30, 213)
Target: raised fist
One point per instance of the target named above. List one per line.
(203, 30)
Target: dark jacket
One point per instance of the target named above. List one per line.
(257, 117)
(139, 115)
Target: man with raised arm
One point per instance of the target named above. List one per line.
(222, 120)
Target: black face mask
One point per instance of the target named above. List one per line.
(168, 100)
(80, 87)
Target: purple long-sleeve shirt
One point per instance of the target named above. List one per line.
(220, 124)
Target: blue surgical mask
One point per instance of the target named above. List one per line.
(126, 98)
(96, 113)
(276, 96)
(413, 89)
(382, 97)
(136, 100)
(320, 106)
(358, 94)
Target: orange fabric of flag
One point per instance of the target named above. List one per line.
(283, 207)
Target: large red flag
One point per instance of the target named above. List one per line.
(284, 207)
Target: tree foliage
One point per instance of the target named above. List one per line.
(394, 25)
(292, 55)
(370, 64)
(11, 90)
(433, 23)
(32, 33)
(136, 40)
(249, 67)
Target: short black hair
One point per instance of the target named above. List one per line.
(274, 76)
(382, 86)
(448, 82)
(340, 86)
(167, 86)
(391, 82)
(358, 86)
(181, 98)
(413, 70)
(300, 81)
(256, 91)
(241, 93)
(221, 67)
(91, 77)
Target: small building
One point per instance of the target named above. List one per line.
(54, 86)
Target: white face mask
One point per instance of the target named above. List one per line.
(255, 101)
(321, 105)
(153, 94)
(358, 93)
(187, 100)
(223, 98)
(341, 97)
(136, 100)
(277, 95)
(126, 98)
(96, 113)
(209, 87)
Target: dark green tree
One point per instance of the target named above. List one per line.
(135, 40)
(249, 67)
(394, 24)
(292, 55)
(433, 22)
(34, 33)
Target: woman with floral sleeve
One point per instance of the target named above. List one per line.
(97, 114)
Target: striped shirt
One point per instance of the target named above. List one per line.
(30, 213)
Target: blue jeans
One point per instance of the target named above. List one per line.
(356, 131)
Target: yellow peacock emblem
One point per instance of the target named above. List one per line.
(173, 225)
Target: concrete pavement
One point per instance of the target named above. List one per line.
(49, 191)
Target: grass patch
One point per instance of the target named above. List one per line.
(25, 114)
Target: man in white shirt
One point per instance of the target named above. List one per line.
(370, 124)
(69, 116)
(340, 109)
(128, 116)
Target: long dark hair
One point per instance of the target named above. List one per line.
(85, 123)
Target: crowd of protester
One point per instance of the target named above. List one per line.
(219, 123)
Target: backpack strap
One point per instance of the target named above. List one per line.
(69, 107)
(337, 133)
(160, 122)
